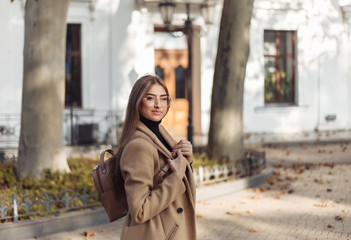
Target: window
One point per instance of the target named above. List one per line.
(180, 82)
(73, 94)
(159, 72)
(279, 66)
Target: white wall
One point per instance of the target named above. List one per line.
(11, 51)
(209, 45)
(322, 63)
(116, 48)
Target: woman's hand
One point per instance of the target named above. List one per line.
(186, 148)
(178, 164)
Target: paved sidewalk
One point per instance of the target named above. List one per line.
(337, 153)
(301, 201)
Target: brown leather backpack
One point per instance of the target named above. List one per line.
(112, 193)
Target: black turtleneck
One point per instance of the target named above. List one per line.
(154, 127)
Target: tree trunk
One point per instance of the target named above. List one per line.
(225, 139)
(41, 143)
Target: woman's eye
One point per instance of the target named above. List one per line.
(164, 98)
(150, 98)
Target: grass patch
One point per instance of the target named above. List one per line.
(53, 182)
(80, 176)
(203, 160)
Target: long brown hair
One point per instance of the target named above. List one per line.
(141, 86)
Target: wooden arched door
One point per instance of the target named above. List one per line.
(171, 65)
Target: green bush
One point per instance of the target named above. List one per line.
(80, 176)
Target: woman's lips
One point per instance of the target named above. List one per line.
(156, 112)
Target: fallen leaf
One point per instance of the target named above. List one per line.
(233, 213)
(257, 190)
(200, 216)
(338, 218)
(257, 196)
(89, 234)
(308, 166)
(249, 211)
(288, 178)
(291, 191)
(345, 210)
(263, 189)
(270, 180)
(330, 226)
(277, 195)
(329, 190)
(253, 230)
(204, 203)
(327, 164)
(319, 181)
(320, 205)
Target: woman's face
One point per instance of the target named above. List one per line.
(154, 103)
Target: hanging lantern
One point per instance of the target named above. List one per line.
(207, 11)
(167, 8)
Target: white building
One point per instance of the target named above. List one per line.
(297, 85)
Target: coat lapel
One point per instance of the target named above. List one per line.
(143, 128)
(192, 186)
(189, 181)
(167, 137)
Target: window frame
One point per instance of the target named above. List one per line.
(278, 56)
(77, 103)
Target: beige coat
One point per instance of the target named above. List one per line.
(166, 211)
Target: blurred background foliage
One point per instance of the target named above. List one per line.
(80, 176)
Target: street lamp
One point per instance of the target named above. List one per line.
(207, 12)
(167, 8)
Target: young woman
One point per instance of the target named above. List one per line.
(163, 209)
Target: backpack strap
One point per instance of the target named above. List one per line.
(158, 178)
(102, 160)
